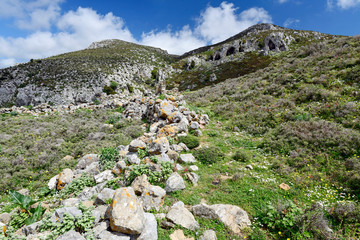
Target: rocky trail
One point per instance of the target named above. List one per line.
(135, 207)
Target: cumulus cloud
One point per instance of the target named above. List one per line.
(291, 22)
(343, 4)
(54, 33)
(174, 42)
(218, 23)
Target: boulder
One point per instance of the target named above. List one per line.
(107, 235)
(168, 131)
(232, 216)
(173, 155)
(126, 212)
(140, 184)
(178, 214)
(136, 144)
(133, 158)
(104, 195)
(87, 160)
(187, 158)
(174, 183)
(150, 230)
(158, 146)
(208, 235)
(165, 109)
(5, 218)
(71, 235)
(153, 198)
(92, 169)
(64, 178)
(31, 229)
(70, 202)
(193, 177)
(194, 125)
(103, 176)
(52, 182)
(59, 213)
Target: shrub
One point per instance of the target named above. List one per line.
(190, 141)
(108, 90)
(109, 156)
(130, 88)
(114, 85)
(78, 185)
(209, 155)
(154, 73)
(241, 156)
(142, 153)
(154, 177)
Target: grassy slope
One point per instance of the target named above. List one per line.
(301, 115)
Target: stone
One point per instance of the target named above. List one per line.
(31, 229)
(87, 193)
(5, 218)
(187, 158)
(174, 183)
(284, 186)
(64, 178)
(176, 148)
(165, 109)
(140, 184)
(59, 213)
(158, 146)
(133, 158)
(180, 215)
(168, 131)
(208, 235)
(87, 160)
(92, 169)
(165, 158)
(104, 176)
(150, 230)
(104, 195)
(198, 133)
(193, 177)
(173, 155)
(153, 198)
(97, 136)
(136, 144)
(52, 182)
(179, 235)
(166, 224)
(107, 235)
(194, 125)
(70, 202)
(194, 168)
(232, 216)
(24, 191)
(185, 148)
(249, 167)
(126, 212)
(236, 129)
(183, 125)
(178, 167)
(102, 211)
(71, 235)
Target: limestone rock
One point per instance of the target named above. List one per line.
(5, 218)
(140, 184)
(133, 158)
(165, 109)
(106, 235)
(31, 229)
(52, 182)
(232, 216)
(70, 202)
(126, 212)
(64, 178)
(136, 144)
(153, 198)
(208, 235)
(24, 191)
(71, 235)
(150, 230)
(87, 160)
(180, 215)
(179, 235)
(194, 168)
(174, 183)
(194, 125)
(59, 213)
(104, 195)
(173, 155)
(187, 158)
(103, 176)
(159, 146)
(193, 177)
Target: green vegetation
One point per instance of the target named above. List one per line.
(153, 176)
(190, 141)
(209, 155)
(109, 156)
(77, 186)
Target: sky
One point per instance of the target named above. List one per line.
(32, 29)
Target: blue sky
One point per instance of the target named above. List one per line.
(42, 28)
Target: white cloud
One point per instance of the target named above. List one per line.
(77, 30)
(291, 22)
(7, 62)
(282, 1)
(174, 42)
(343, 4)
(218, 23)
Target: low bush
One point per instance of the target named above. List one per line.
(190, 141)
(109, 156)
(154, 177)
(209, 155)
(241, 156)
(78, 185)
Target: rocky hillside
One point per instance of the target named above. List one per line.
(261, 142)
(80, 77)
